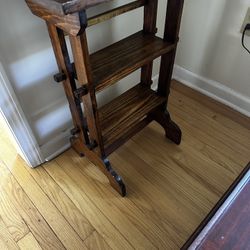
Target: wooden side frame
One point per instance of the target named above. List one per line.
(84, 138)
(171, 34)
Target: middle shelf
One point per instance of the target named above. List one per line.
(118, 60)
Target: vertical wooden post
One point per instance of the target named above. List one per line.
(171, 34)
(83, 70)
(64, 65)
(149, 27)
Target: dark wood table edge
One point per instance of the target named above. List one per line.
(211, 214)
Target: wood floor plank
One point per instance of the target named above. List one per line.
(125, 215)
(167, 204)
(222, 147)
(195, 164)
(222, 118)
(216, 151)
(13, 192)
(214, 119)
(52, 215)
(63, 203)
(12, 219)
(170, 188)
(6, 241)
(96, 242)
(102, 225)
(212, 128)
(215, 106)
(29, 243)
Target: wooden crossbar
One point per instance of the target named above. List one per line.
(115, 12)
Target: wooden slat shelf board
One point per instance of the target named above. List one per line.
(118, 60)
(126, 111)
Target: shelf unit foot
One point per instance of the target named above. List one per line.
(104, 165)
(115, 179)
(172, 130)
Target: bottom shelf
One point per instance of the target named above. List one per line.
(127, 113)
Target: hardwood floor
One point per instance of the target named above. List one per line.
(69, 204)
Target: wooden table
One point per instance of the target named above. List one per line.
(228, 224)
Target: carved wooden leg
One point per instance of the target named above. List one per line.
(114, 178)
(172, 130)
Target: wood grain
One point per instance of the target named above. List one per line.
(83, 69)
(124, 112)
(29, 243)
(71, 24)
(106, 67)
(6, 241)
(95, 241)
(12, 219)
(149, 27)
(80, 198)
(57, 222)
(128, 219)
(66, 207)
(226, 114)
(111, 64)
(240, 143)
(232, 232)
(38, 226)
(63, 61)
(170, 189)
(115, 12)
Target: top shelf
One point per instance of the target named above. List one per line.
(65, 7)
(118, 60)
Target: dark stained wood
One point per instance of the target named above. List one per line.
(125, 111)
(232, 228)
(98, 132)
(82, 65)
(115, 180)
(72, 24)
(111, 64)
(64, 65)
(149, 27)
(65, 7)
(171, 33)
(126, 135)
(172, 130)
(78, 141)
(72, 6)
(115, 12)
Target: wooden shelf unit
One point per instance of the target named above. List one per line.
(98, 131)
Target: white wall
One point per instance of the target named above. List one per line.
(211, 50)
(210, 47)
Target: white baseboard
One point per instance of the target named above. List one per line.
(213, 89)
(57, 145)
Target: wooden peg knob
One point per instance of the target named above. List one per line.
(60, 77)
(75, 131)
